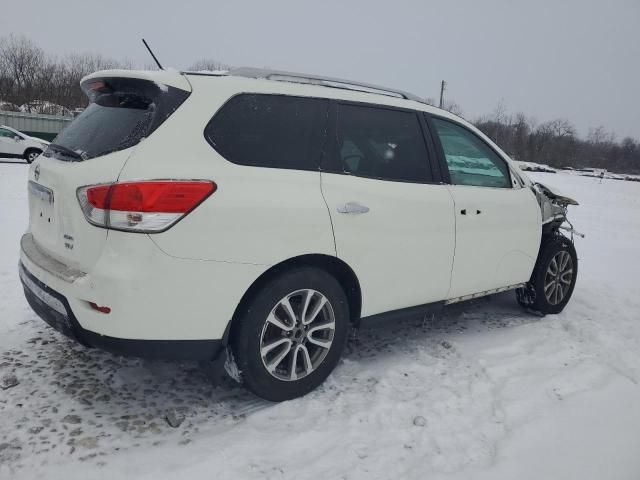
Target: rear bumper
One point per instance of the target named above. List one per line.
(161, 306)
(54, 309)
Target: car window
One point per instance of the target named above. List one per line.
(470, 160)
(121, 113)
(381, 143)
(275, 131)
(6, 133)
(351, 155)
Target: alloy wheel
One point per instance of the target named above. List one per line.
(297, 335)
(558, 277)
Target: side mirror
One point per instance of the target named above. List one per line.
(17, 138)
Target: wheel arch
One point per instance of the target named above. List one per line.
(25, 154)
(332, 265)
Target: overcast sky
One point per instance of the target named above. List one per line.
(576, 59)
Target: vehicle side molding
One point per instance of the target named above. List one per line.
(402, 313)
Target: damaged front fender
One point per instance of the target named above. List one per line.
(553, 205)
(556, 194)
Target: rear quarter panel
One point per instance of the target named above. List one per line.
(257, 215)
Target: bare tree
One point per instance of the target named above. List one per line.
(73, 68)
(21, 63)
(208, 64)
(500, 112)
(560, 127)
(453, 107)
(41, 83)
(599, 135)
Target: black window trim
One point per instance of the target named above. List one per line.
(436, 160)
(441, 156)
(324, 140)
(333, 165)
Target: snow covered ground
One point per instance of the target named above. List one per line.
(484, 391)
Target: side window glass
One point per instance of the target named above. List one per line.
(469, 159)
(275, 131)
(6, 133)
(381, 143)
(351, 155)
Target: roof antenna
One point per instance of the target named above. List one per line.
(151, 52)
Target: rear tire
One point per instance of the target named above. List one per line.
(553, 278)
(31, 154)
(281, 352)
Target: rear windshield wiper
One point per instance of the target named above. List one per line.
(66, 151)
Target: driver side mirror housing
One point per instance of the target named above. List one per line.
(17, 138)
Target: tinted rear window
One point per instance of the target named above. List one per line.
(275, 131)
(381, 143)
(121, 113)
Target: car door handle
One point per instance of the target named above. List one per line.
(352, 208)
(464, 211)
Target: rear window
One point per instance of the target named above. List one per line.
(274, 131)
(120, 114)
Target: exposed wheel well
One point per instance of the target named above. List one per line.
(334, 266)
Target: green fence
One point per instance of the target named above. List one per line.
(35, 124)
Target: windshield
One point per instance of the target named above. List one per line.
(122, 112)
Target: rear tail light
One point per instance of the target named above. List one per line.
(147, 207)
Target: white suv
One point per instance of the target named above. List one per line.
(16, 144)
(256, 216)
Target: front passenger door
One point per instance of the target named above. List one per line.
(497, 221)
(8, 143)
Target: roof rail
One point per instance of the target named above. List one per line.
(282, 76)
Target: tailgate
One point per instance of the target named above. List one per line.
(56, 221)
(123, 111)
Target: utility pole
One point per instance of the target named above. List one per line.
(442, 86)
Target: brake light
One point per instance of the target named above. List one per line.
(142, 206)
(99, 86)
(100, 309)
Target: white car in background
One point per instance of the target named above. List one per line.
(256, 216)
(15, 144)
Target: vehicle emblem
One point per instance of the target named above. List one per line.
(36, 172)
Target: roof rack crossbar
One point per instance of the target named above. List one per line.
(278, 75)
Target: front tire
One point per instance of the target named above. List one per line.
(31, 154)
(291, 335)
(553, 278)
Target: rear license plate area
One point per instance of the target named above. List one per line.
(42, 204)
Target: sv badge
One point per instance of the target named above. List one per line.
(68, 242)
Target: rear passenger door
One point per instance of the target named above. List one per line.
(393, 222)
(497, 221)
(268, 206)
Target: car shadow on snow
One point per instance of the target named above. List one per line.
(377, 338)
(87, 403)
